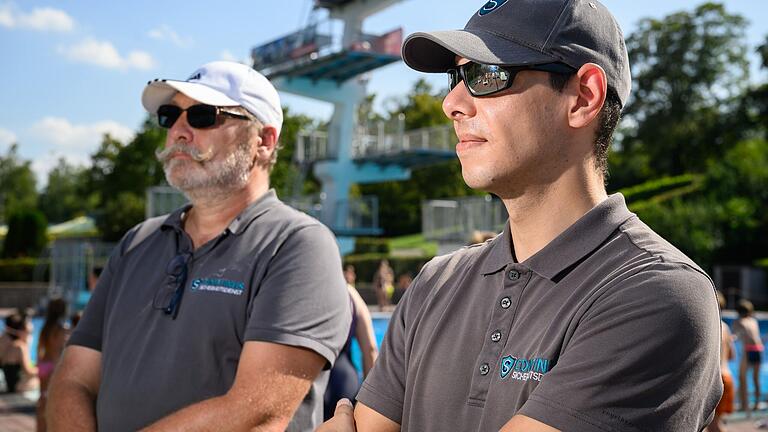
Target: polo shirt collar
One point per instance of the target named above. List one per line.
(239, 223)
(573, 244)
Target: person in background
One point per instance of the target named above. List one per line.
(747, 330)
(383, 284)
(16, 361)
(53, 337)
(403, 282)
(727, 352)
(344, 381)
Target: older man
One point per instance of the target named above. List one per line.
(224, 314)
(577, 317)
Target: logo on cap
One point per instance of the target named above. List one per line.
(195, 76)
(491, 6)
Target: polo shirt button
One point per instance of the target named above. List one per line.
(496, 336)
(513, 275)
(506, 303)
(484, 369)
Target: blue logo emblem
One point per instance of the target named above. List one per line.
(491, 6)
(507, 363)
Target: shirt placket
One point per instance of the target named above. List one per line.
(514, 279)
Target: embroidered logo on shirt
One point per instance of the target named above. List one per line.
(225, 286)
(521, 369)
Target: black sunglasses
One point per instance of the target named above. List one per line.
(168, 298)
(198, 116)
(485, 79)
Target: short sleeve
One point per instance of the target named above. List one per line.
(302, 300)
(384, 388)
(636, 356)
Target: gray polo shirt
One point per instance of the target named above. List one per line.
(608, 328)
(273, 275)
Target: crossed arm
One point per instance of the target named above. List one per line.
(271, 381)
(367, 419)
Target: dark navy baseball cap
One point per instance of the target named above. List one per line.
(529, 32)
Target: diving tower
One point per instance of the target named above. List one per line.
(318, 63)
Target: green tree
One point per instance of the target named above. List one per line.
(62, 198)
(17, 184)
(27, 234)
(690, 71)
(119, 177)
(287, 177)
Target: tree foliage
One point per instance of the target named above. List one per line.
(690, 71)
(17, 184)
(26, 234)
(62, 198)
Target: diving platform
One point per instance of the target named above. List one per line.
(410, 149)
(314, 55)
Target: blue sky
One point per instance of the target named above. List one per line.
(72, 70)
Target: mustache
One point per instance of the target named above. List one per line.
(164, 154)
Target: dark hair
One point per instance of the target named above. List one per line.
(745, 308)
(15, 324)
(97, 271)
(609, 118)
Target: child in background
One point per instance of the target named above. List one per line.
(747, 330)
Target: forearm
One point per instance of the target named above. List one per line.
(226, 413)
(70, 407)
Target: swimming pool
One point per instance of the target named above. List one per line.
(381, 321)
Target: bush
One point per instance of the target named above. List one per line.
(370, 245)
(22, 269)
(27, 234)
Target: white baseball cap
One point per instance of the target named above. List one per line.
(221, 83)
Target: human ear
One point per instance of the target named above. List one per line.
(592, 87)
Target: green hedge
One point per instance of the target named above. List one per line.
(656, 187)
(368, 245)
(22, 269)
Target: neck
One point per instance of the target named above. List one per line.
(540, 213)
(211, 213)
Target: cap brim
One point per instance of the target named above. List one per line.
(161, 92)
(436, 51)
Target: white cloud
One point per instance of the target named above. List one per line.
(166, 33)
(40, 19)
(104, 54)
(85, 137)
(73, 142)
(227, 55)
(6, 138)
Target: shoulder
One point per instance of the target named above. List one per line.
(642, 239)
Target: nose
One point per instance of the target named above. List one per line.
(180, 130)
(459, 104)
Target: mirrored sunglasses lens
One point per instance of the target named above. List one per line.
(453, 78)
(167, 115)
(485, 79)
(201, 116)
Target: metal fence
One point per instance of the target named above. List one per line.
(455, 220)
(355, 216)
(163, 200)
